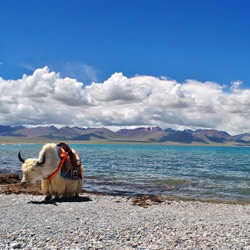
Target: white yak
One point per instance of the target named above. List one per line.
(46, 169)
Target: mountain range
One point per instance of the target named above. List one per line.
(141, 134)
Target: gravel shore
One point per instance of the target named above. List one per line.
(112, 222)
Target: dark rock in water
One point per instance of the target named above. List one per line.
(9, 178)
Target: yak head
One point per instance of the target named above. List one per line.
(31, 169)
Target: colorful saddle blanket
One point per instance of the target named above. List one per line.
(71, 167)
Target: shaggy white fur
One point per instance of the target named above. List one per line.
(57, 186)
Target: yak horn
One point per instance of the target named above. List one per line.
(41, 162)
(20, 157)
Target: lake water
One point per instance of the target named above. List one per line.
(217, 173)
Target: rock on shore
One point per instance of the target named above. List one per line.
(11, 184)
(113, 222)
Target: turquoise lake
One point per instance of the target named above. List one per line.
(195, 172)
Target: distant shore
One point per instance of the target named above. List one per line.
(22, 140)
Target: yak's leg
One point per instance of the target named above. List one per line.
(58, 185)
(70, 187)
(79, 188)
(48, 197)
(46, 189)
(80, 183)
(57, 197)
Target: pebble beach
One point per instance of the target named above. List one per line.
(114, 222)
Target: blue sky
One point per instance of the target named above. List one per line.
(206, 40)
(179, 64)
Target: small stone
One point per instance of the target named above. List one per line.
(16, 245)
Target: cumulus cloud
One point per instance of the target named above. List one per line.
(235, 86)
(78, 70)
(45, 98)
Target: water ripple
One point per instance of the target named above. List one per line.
(188, 171)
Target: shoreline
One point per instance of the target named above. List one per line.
(10, 183)
(114, 222)
(35, 189)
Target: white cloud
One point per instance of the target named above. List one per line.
(80, 71)
(46, 98)
(235, 86)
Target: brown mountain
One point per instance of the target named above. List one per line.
(182, 137)
(31, 132)
(243, 137)
(214, 136)
(141, 134)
